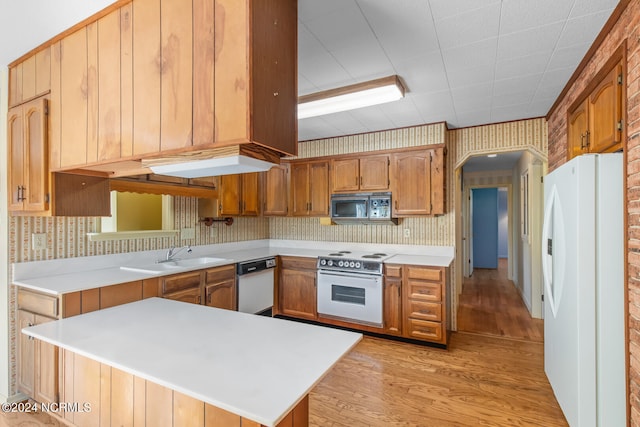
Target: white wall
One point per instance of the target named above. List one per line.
(4, 241)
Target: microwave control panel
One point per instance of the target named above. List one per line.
(380, 207)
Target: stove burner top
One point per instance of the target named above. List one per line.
(380, 254)
(372, 256)
(337, 254)
(344, 252)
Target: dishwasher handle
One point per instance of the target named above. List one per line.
(255, 266)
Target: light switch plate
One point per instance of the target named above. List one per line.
(188, 233)
(39, 241)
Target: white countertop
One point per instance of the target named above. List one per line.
(58, 277)
(254, 366)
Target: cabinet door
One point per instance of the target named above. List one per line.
(438, 182)
(46, 368)
(297, 293)
(275, 191)
(392, 311)
(207, 181)
(299, 189)
(36, 179)
(345, 175)
(15, 129)
(26, 354)
(230, 193)
(605, 113)
(250, 194)
(319, 189)
(221, 295)
(74, 99)
(374, 173)
(412, 183)
(578, 130)
(192, 296)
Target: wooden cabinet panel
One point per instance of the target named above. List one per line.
(207, 181)
(92, 93)
(424, 303)
(126, 80)
(123, 293)
(424, 291)
(28, 157)
(29, 78)
(275, 191)
(74, 99)
(374, 173)
(345, 175)
(578, 131)
(15, 143)
(203, 72)
(412, 183)
(26, 354)
(178, 282)
(193, 295)
(55, 113)
(297, 293)
(425, 310)
(43, 71)
(250, 194)
(318, 189)
(109, 101)
(425, 273)
(220, 274)
(299, 189)
(392, 305)
(46, 368)
(15, 85)
(230, 194)
(147, 63)
(605, 112)
(176, 74)
(46, 305)
(221, 295)
(438, 183)
(187, 411)
(424, 330)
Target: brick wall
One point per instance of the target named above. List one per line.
(627, 26)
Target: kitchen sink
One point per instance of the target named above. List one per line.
(175, 265)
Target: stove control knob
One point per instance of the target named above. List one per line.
(330, 263)
(323, 262)
(358, 264)
(352, 264)
(340, 263)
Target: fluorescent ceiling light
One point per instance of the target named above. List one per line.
(213, 167)
(351, 97)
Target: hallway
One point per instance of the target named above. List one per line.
(491, 305)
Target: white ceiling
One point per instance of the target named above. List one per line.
(501, 162)
(466, 62)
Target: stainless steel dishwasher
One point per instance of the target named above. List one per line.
(255, 285)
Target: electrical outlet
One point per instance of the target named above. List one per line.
(407, 232)
(188, 233)
(39, 241)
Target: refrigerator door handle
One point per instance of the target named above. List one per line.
(553, 251)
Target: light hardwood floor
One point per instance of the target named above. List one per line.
(490, 304)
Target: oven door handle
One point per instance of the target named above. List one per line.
(341, 274)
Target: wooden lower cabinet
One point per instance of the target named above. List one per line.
(392, 300)
(116, 397)
(193, 295)
(37, 362)
(424, 303)
(220, 287)
(297, 292)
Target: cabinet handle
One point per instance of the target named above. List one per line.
(199, 299)
(361, 181)
(396, 204)
(587, 135)
(21, 197)
(209, 299)
(29, 324)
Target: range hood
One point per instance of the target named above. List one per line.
(213, 167)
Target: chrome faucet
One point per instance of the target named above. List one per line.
(172, 252)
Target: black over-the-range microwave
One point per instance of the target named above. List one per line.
(358, 208)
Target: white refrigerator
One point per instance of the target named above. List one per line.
(583, 268)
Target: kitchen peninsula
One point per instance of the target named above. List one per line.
(137, 360)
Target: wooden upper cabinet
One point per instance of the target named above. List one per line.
(275, 191)
(605, 118)
(594, 122)
(30, 78)
(368, 173)
(28, 161)
(412, 183)
(578, 131)
(309, 188)
(239, 194)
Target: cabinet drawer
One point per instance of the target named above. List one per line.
(424, 273)
(220, 274)
(180, 282)
(425, 291)
(425, 310)
(298, 263)
(46, 305)
(393, 270)
(193, 296)
(425, 330)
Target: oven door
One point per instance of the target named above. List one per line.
(350, 296)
